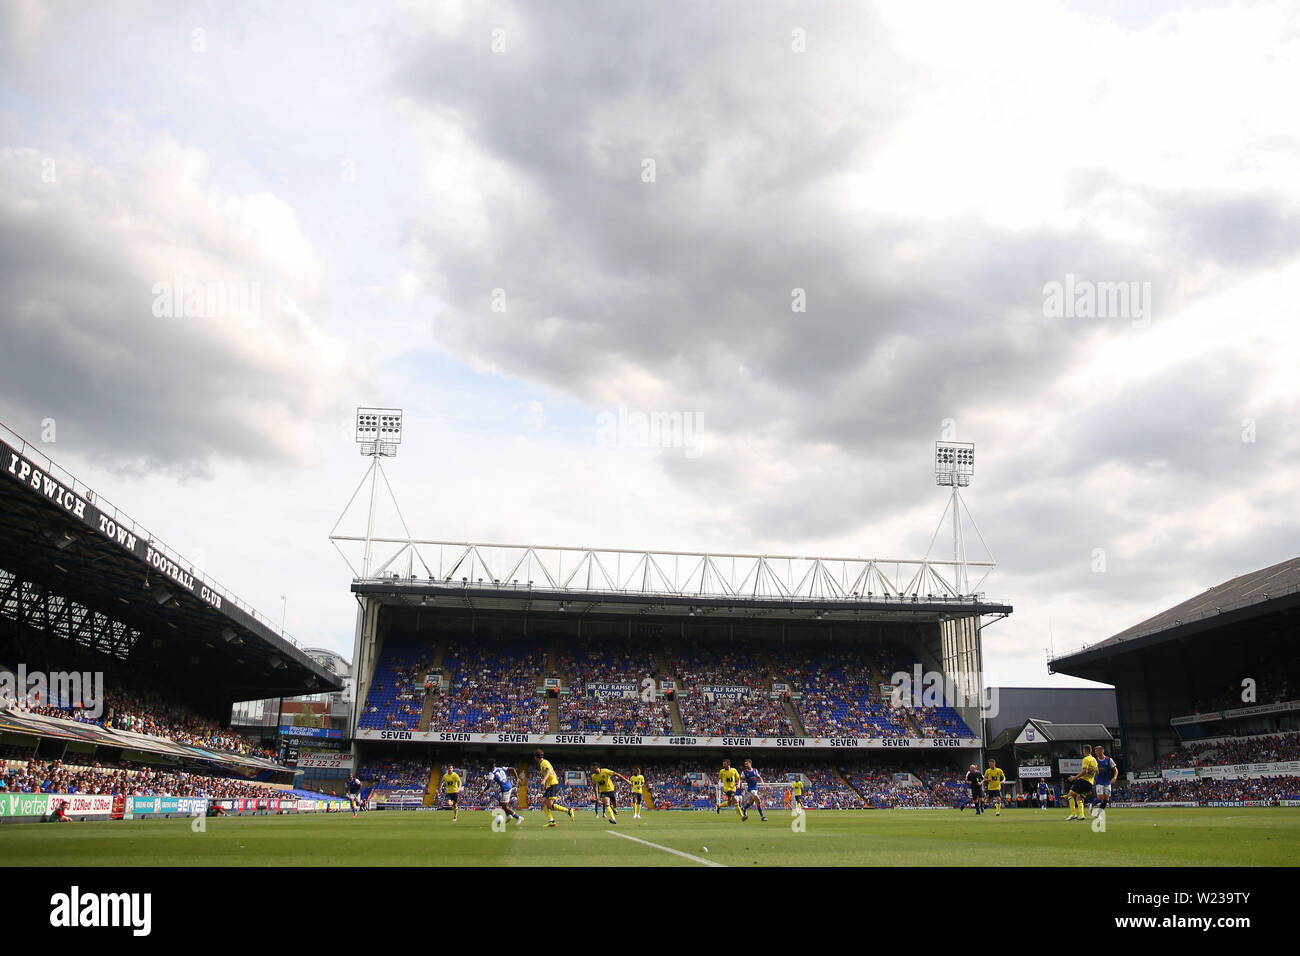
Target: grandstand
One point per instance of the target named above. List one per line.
(475, 663)
(119, 660)
(1219, 665)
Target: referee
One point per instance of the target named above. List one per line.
(976, 781)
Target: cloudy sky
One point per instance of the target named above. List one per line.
(827, 235)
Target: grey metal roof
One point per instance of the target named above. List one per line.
(1074, 732)
(1071, 733)
(1066, 705)
(1247, 594)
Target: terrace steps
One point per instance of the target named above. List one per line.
(522, 768)
(876, 678)
(674, 711)
(552, 669)
(675, 714)
(796, 721)
(431, 789)
(426, 714)
(910, 719)
(852, 789)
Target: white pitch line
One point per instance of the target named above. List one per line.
(666, 849)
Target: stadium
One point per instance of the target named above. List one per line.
(848, 684)
(453, 435)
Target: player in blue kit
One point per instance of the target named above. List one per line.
(750, 779)
(1042, 794)
(354, 794)
(502, 780)
(1107, 771)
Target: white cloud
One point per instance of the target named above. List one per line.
(922, 171)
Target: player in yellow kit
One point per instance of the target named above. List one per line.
(729, 778)
(796, 795)
(550, 788)
(451, 783)
(603, 781)
(637, 780)
(1081, 785)
(993, 778)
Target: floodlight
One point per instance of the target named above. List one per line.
(379, 431)
(954, 463)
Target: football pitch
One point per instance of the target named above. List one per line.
(1149, 837)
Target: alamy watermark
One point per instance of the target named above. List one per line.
(185, 298)
(81, 691)
(74, 909)
(1077, 298)
(658, 429)
(917, 688)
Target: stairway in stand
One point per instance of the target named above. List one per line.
(553, 670)
(852, 789)
(429, 699)
(796, 722)
(431, 791)
(674, 711)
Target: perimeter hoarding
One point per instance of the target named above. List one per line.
(674, 741)
(140, 807)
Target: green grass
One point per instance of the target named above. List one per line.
(1152, 837)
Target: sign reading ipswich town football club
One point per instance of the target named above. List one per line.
(40, 483)
(646, 740)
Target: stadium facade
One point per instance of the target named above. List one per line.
(718, 604)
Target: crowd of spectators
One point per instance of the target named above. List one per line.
(396, 697)
(882, 788)
(827, 792)
(1262, 749)
(940, 722)
(584, 662)
(948, 785)
(493, 687)
(36, 776)
(1177, 759)
(670, 786)
(1204, 790)
(614, 715)
(717, 665)
(754, 716)
(606, 661)
(154, 716)
(148, 713)
(1270, 687)
(397, 775)
(838, 698)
